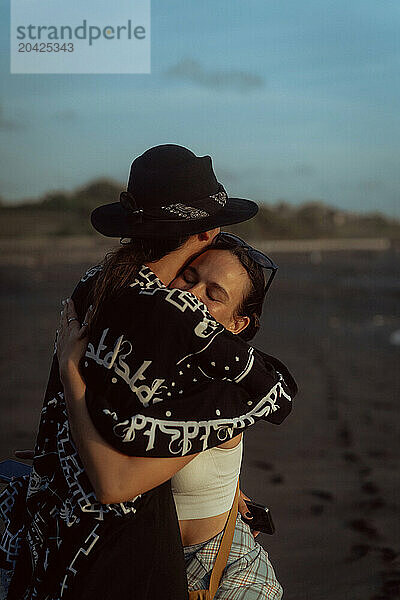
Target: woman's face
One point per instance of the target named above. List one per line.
(219, 280)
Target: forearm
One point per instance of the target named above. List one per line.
(114, 476)
(90, 445)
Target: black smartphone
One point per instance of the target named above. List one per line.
(13, 468)
(262, 519)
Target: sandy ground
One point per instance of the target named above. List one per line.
(330, 473)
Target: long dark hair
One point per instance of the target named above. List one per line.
(252, 304)
(120, 266)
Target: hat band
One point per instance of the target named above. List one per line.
(198, 209)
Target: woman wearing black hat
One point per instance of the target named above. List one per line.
(60, 541)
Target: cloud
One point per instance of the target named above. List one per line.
(193, 71)
(7, 124)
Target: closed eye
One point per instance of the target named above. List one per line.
(188, 277)
(209, 295)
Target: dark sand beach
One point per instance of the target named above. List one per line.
(330, 473)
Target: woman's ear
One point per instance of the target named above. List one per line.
(208, 236)
(238, 323)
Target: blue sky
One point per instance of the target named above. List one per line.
(293, 100)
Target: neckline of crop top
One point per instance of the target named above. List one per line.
(206, 486)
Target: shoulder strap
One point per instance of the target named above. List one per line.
(225, 546)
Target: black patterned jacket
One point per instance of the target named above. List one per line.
(163, 379)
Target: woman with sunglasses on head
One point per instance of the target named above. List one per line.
(231, 278)
(203, 489)
(157, 372)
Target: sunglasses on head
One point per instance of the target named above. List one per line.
(256, 255)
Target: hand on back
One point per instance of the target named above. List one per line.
(71, 338)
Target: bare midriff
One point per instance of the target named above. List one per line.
(195, 531)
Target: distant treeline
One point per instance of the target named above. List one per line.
(61, 214)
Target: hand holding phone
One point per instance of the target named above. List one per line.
(261, 518)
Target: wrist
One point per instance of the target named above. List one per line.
(69, 372)
(66, 367)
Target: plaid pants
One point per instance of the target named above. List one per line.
(248, 575)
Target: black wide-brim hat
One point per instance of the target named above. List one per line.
(171, 192)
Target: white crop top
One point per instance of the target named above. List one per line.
(206, 486)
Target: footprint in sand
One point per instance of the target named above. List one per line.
(345, 436)
(362, 526)
(369, 487)
(388, 555)
(322, 495)
(358, 551)
(350, 457)
(276, 479)
(260, 464)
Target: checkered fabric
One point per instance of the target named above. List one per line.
(248, 575)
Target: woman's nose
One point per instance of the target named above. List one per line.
(197, 290)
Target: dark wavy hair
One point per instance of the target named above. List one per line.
(119, 267)
(252, 304)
